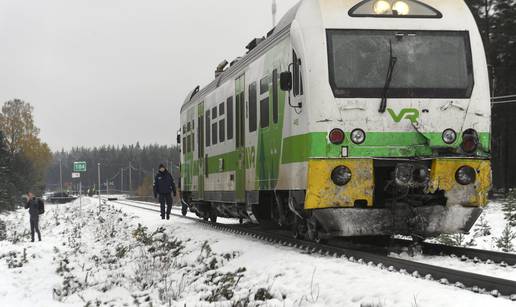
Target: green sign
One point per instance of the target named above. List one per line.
(79, 167)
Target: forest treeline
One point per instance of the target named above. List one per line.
(128, 169)
(497, 22)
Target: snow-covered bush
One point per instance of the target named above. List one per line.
(15, 259)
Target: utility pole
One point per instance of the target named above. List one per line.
(98, 171)
(274, 11)
(60, 176)
(130, 178)
(122, 180)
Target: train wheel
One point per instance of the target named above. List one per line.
(213, 216)
(319, 239)
(206, 218)
(299, 229)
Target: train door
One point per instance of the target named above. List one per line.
(270, 136)
(200, 150)
(240, 139)
(276, 128)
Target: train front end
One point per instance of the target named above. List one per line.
(404, 104)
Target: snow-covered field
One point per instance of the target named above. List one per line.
(114, 256)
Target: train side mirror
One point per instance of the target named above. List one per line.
(286, 81)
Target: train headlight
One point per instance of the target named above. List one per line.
(381, 7)
(341, 175)
(449, 136)
(336, 136)
(400, 8)
(358, 136)
(470, 141)
(466, 175)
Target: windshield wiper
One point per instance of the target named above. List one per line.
(388, 79)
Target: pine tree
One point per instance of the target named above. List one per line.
(509, 208)
(505, 241)
(504, 47)
(6, 186)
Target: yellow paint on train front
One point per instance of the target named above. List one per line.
(474, 195)
(322, 193)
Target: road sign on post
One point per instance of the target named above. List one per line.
(79, 167)
(76, 175)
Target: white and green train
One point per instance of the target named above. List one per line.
(351, 118)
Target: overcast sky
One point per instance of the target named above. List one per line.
(117, 71)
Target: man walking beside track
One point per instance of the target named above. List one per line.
(36, 208)
(164, 186)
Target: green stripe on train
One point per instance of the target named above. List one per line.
(300, 148)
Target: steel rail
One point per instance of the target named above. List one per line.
(434, 249)
(465, 280)
(477, 255)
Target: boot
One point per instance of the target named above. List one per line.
(168, 216)
(162, 217)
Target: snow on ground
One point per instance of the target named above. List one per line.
(121, 255)
(484, 235)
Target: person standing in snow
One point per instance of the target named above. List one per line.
(34, 206)
(164, 186)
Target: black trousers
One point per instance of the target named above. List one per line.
(165, 199)
(34, 228)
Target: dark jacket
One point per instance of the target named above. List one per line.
(164, 183)
(33, 206)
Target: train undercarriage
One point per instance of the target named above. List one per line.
(404, 204)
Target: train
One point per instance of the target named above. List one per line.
(350, 118)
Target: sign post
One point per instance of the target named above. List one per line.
(78, 168)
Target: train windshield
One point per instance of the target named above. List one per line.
(430, 64)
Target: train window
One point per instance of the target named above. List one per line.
(188, 145)
(416, 75)
(189, 126)
(184, 145)
(184, 129)
(221, 109)
(193, 124)
(264, 85)
(199, 144)
(301, 90)
(398, 9)
(214, 133)
(222, 130)
(193, 137)
(208, 127)
(275, 96)
(252, 107)
(214, 113)
(264, 113)
(229, 116)
(295, 74)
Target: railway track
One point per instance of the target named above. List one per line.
(375, 257)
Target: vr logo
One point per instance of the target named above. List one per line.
(410, 114)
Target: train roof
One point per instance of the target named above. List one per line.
(276, 34)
